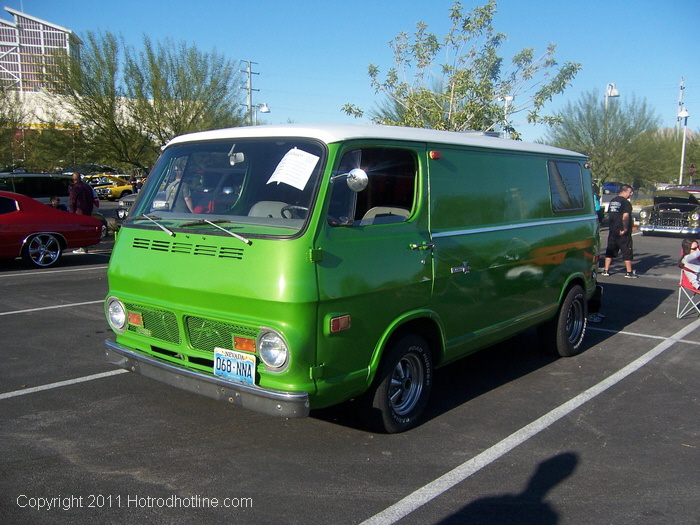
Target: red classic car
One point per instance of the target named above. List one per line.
(39, 233)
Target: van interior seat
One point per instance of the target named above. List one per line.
(267, 209)
(383, 214)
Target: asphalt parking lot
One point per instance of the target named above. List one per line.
(512, 435)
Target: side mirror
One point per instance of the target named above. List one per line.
(357, 180)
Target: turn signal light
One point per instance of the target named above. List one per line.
(135, 319)
(244, 344)
(338, 324)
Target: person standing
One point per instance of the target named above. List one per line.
(620, 231)
(81, 200)
(80, 197)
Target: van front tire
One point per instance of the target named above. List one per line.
(402, 389)
(563, 335)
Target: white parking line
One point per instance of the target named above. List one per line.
(50, 307)
(445, 482)
(50, 272)
(59, 384)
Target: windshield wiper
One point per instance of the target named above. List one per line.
(155, 220)
(213, 223)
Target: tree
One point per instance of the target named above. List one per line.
(91, 90)
(622, 141)
(471, 89)
(11, 116)
(129, 104)
(175, 89)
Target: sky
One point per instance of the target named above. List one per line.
(311, 57)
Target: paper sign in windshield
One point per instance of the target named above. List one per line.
(295, 168)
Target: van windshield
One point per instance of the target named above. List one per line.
(264, 186)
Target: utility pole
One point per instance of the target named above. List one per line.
(250, 89)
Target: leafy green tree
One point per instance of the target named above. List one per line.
(175, 89)
(621, 141)
(91, 89)
(128, 104)
(472, 88)
(11, 116)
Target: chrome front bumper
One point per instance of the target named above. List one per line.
(251, 397)
(668, 229)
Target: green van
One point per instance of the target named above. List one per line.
(289, 268)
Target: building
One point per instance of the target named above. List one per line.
(28, 46)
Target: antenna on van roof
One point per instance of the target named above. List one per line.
(494, 134)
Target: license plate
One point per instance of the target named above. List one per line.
(234, 366)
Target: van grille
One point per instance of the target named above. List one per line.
(206, 335)
(184, 248)
(159, 324)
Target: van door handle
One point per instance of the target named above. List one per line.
(424, 246)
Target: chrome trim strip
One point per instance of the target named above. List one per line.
(266, 401)
(503, 227)
(668, 229)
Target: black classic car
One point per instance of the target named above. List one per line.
(674, 211)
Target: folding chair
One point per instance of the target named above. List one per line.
(688, 295)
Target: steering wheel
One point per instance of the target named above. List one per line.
(295, 212)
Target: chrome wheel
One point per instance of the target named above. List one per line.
(42, 250)
(401, 390)
(406, 384)
(576, 321)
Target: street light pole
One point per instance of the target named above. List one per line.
(683, 114)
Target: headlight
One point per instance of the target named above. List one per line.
(272, 349)
(694, 216)
(116, 314)
(643, 214)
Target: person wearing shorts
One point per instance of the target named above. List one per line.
(620, 232)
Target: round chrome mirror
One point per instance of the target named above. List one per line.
(357, 180)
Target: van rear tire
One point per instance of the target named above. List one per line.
(397, 401)
(564, 334)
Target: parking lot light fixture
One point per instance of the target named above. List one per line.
(610, 91)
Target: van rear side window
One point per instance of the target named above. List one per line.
(566, 185)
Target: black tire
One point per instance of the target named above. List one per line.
(42, 250)
(402, 387)
(564, 334)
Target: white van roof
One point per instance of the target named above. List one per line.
(330, 133)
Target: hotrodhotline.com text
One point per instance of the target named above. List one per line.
(104, 501)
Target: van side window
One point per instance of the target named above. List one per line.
(565, 185)
(390, 194)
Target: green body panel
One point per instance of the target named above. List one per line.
(480, 258)
(262, 286)
(492, 216)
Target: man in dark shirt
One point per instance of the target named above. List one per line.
(620, 231)
(80, 197)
